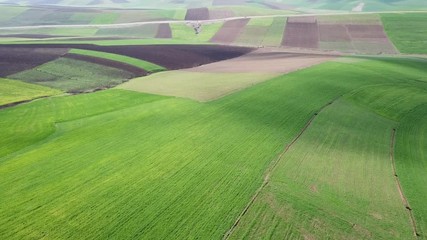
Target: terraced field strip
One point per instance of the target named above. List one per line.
(399, 186)
(74, 76)
(267, 174)
(301, 32)
(229, 31)
(148, 66)
(197, 14)
(13, 92)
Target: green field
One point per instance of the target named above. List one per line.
(408, 32)
(148, 66)
(73, 75)
(121, 164)
(15, 91)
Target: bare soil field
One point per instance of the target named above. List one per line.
(333, 33)
(164, 31)
(137, 72)
(197, 14)
(230, 31)
(16, 59)
(265, 61)
(215, 80)
(301, 32)
(171, 57)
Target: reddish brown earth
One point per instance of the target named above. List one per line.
(301, 32)
(230, 31)
(334, 33)
(169, 56)
(16, 59)
(197, 14)
(137, 72)
(164, 31)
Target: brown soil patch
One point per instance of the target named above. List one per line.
(301, 32)
(137, 72)
(16, 59)
(265, 60)
(197, 14)
(333, 33)
(169, 56)
(230, 31)
(164, 31)
(314, 189)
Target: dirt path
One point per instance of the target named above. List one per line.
(399, 186)
(133, 24)
(273, 165)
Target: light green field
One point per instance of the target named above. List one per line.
(105, 18)
(148, 66)
(195, 85)
(73, 75)
(121, 164)
(408, 32)
(15, 91)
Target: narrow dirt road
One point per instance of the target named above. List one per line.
(133, 24)
(399, 186)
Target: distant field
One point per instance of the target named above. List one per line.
(408, 32)
(12, 91)
(161, 164)
(73, 75)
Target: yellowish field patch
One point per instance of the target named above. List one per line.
(195, 85)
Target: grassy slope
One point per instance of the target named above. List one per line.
(148, 66)
(408, 31)
(349, 192)
(73, 75)
(130, 165)
(15, 91)
(344, 199)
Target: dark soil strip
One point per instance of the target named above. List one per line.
(137, 72)
(171, 57)
(36, 36)
(230, 31)
(164, 31)
(197, 14)
(273, 165)
(17, 59)
(9, 105)
(302, 34)
(399, 186)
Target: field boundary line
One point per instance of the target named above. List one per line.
(399, 186)
(273, 164)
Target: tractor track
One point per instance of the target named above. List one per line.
(274, 163)
(399, 186)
